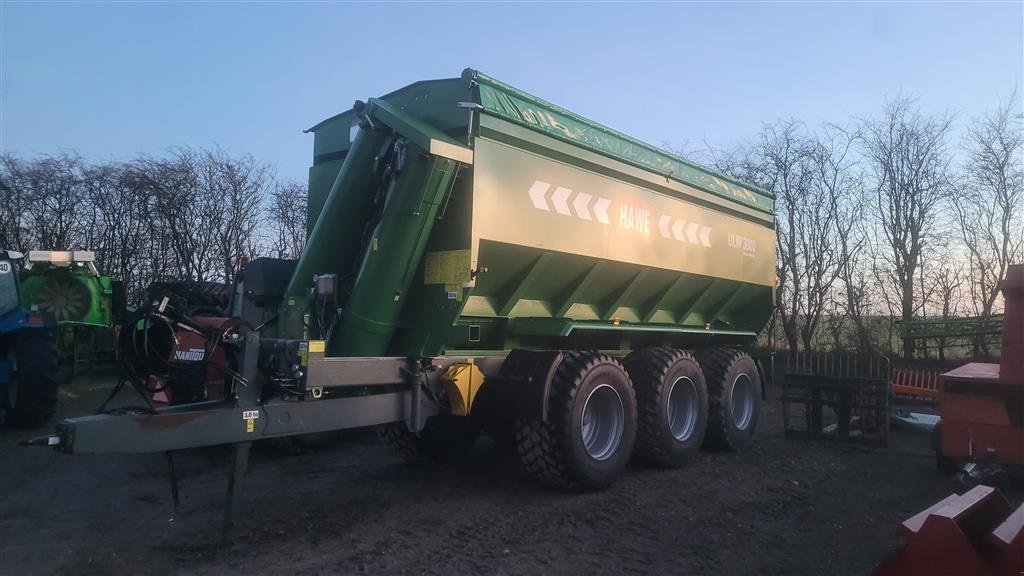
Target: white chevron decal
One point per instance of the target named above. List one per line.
(589, 207)
(601, 210)
(663, 223)
(691, 232)
(678, 230)
(580, 205)
(560, 199)
(537, 192)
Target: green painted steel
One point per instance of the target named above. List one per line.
(556, 232)
(334, 240)
(74, 295)
(415, 175)
(517, 106)
(953, 327)
(394, 254)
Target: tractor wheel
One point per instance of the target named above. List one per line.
(444, 438)
(671, 405)
(590, 430)
(34, 390)
(734, 397)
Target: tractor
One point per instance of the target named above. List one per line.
(28, 353)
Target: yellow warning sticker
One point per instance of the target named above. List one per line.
(447, 267)
(316, 346)
(250, 417)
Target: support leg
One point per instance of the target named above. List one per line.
(236, 475)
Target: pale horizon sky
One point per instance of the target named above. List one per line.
(114, 80)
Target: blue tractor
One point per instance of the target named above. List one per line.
(28, 354)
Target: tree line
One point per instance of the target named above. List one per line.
(192, 214)
(885, 217)
(888, 217)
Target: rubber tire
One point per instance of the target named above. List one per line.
(652, 371)
(190, 295)
(35, 351)
(722, 366)
(444, 439)
(553, 451)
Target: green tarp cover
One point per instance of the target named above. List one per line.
(516, 106)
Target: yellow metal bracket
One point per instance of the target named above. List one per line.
(462, 381)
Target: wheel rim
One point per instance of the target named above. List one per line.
(742, 402)
(602, 423)
(682, 408)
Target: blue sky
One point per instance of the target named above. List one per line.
(118, 79)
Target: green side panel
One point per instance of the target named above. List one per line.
(73, 295)
(509, 103)
(523, 282)
(443, 279)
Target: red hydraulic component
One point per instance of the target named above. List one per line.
(976, 534)
(196, 365)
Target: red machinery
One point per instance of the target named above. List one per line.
(196, 367)
(982, 406)
(976, 534)
(982, 409)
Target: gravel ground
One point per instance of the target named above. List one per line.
(783, 507)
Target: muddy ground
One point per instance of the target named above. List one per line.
(785, 507)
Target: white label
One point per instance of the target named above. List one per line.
(250, 415)
(5, 267)
(190, 355)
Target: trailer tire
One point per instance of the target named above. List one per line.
(577, 448)
(444, 438)
(734, 398)
(671, 405)
(34, 389)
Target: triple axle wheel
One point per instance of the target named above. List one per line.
(660, 405)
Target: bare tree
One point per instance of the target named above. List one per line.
(808, 176)
(121, 215)
(287, 216)
(948, 280)
(14, 203)
(241, 186)
(56, 201)
(906, 152)
(989, 207)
